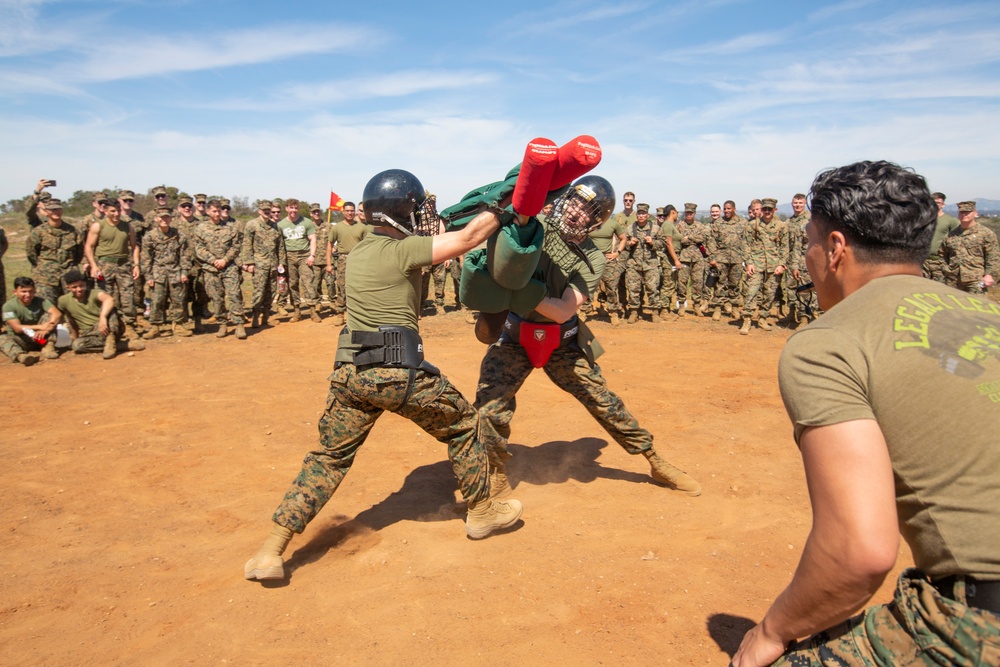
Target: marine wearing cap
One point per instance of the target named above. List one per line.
(769, 203)
(966, 206)
(642, 208)
(690, 208)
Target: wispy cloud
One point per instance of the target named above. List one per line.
(568, 14)
(395, 84)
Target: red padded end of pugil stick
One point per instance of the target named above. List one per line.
(541, 158)
(576, 158)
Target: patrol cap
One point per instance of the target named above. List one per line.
(690, 208)
(659, 211)
(183, 200)
(101, 196)
(767, 202)
(52, 203)
(315, 207)
(107, 199)
(164, 210)
(264, 204)
(127, 195)
(966, 206)
(200, 198)
(224, 203)
(642, 208)
(159, 190)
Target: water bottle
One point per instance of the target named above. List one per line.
(282, 281)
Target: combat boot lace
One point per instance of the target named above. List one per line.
(110, 346)
(745, 327)
(241, 332)
(672, 476)
(764, 324)
(489, 515)
(499, 484)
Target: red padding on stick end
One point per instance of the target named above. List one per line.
(576, 158)
(541, 158)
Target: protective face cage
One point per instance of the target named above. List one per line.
(575, 214)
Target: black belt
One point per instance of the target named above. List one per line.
(978, 594)
(389, 347)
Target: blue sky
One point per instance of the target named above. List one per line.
(691, 101)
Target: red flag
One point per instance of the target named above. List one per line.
(336, 201)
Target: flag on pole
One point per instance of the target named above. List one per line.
(336, 201)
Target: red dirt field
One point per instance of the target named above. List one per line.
(135, 489)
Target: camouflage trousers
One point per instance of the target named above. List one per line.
(340, 305)
(935, 268)
(759, 290)
(438, 272)
(50, 293)
(223, 286)
(321, 278)
(119, 283)
(638, 277)
(727, 290)
(611, 281)
(806, 303)
(168, 289)
(356, 400)
(505, 368)
(919, 627)
(92, 340)
(15, 344)
(668, 284)
(3, 285)
(265, 286)
(195, 292)
(691, 282)
(300, 279)
(455, 271)
(971, 288)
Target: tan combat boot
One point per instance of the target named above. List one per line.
(267, 563)
(154, 331)
(681, 309)
(223, 330)
(314, 315)
(110, 346)
(745, 327)
(764, 324)
(655, 317)
(49, 349)
(135, 345)
(181, 331)
(241, 332)
(130, 331)
(669, 475)
(717, 314)
(253, 320)
(633, 317)
(296, 315)
(499, 484)
(727, 308)
(613, 315)
(703, 308)
(26, 359)
(489, 514)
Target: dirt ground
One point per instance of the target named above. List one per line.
(135, 489)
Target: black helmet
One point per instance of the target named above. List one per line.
(603, 199)
(392, 198)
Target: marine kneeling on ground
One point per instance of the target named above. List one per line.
(92, 319)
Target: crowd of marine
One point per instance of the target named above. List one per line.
(118, 277)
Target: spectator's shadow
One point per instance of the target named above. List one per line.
(559, 461)
(728, 631)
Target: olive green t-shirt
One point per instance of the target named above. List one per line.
(26, 315)
(945, 224)
(297, 233)
(606, 236)
(347, 236)
(383, 281)
(923, 360)
(85, 314)
(560, 268)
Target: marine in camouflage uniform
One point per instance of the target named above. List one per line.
(935, 268)
(670, 265)
(165, 262)
(786, 285)
(610, 239)
(691, 275)
(300, 245)
(644, 245)
(263, 252)
(52, 249)
(26, 309)
(217, 248)
(322, 277)
(113, 256)
(384, 285)
(614, 269)
(806, 303)
(4, 245)
(765, 248)
(194, 290)
(971, 253)
(725, 252)
(572, 366)
(141, 225)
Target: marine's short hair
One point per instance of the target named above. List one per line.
(349, 203)
(939, 195)
(730, 202)
(213, 203)
(23, 281)
(73, 276)
(884, 210)
(668, 209)
(799, 197)
(291, 202)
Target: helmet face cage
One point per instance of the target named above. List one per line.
(574, 215)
